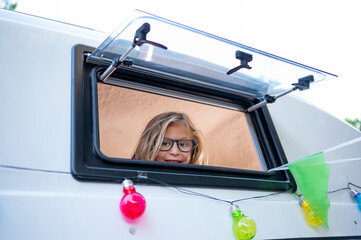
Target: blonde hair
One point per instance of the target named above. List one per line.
(152, 136)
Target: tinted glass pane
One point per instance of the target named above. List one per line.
(201, 58)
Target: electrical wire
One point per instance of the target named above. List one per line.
(261, 196)
(345, 188)
(298, 195)
(193, 193)
(33, 169)
(337, 190)
(348, 185)
(187, 191)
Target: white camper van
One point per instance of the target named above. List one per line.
(74, 103)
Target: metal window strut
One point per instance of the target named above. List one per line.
(303, 84)
(140, 38)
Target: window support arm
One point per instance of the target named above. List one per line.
(303, 84)
(140, 38)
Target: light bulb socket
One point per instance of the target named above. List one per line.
(236, 211)
(128, 183)
(354, 192)
(234, 208)
(301, 201)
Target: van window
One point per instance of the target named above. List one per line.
(108, 118)
(144, 69)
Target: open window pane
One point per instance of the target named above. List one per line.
(201, 58)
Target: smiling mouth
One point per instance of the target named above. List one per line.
(173, 161)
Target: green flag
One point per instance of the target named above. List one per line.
(311, 174)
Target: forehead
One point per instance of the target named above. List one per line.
(178, 130)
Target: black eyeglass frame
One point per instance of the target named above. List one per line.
(177, 141)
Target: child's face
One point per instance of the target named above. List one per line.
(174, 155)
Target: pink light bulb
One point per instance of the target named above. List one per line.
(132, 204)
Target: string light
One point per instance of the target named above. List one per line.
(311, 217)
(133, 203)
(244, 228)
(355, 194)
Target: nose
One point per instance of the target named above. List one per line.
(174, 150)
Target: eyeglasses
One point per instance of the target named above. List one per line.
(184, 145)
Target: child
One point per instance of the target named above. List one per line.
(172, 137)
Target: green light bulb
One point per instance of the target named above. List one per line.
(311, 217)
(244, 227)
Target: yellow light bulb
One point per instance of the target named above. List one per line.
(311, 217)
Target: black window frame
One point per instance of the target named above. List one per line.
(89, 164)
